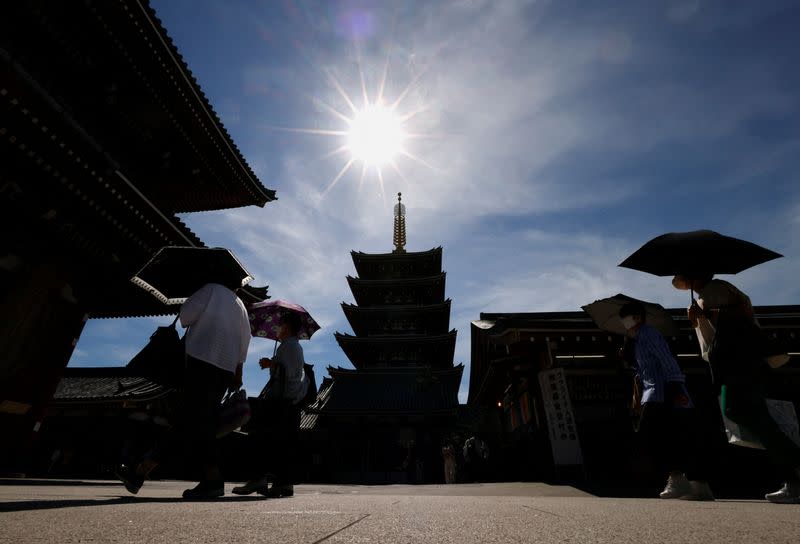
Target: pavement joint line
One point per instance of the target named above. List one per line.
(337, 531)
(540, 510)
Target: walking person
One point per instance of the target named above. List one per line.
(217, 340)
(279, 430)
(667, 420)
(730, 341)
(449, 456)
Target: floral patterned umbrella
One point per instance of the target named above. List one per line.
(265, 317)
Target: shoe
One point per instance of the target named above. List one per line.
(677, 487)
(207, 489)
(698, 491)
(127, 475)
(788, 494)
(278, 491)
(252, 486)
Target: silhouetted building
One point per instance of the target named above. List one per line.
(105, 137)
(384, 420)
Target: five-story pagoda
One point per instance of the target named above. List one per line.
(384, 421)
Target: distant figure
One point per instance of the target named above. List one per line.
(730, 341)
(449, 456)
(283, 395)
(216, 348)
(667, 413)
(476, 456)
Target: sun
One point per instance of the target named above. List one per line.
(375, 135)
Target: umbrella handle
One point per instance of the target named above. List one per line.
(275, 349)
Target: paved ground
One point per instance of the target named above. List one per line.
(49, 511)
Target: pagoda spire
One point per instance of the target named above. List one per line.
(399, 225)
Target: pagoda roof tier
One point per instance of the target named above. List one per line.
(399, 351)
(398, 320)
(411, 264)
(400, 292)
(111, 69)
(411, 391)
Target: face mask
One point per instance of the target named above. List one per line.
(628, 322)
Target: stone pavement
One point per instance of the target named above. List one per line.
(53, 511)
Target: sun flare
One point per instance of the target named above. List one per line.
(375, 135)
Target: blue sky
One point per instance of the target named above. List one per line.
(559, 137)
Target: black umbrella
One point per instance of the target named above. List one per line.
(605, 314)
(175, 272)
(697, 253)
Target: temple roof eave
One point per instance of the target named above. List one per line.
(389, 308)
(391, 339)
(407, 255)
(399, 282)
(400, 371)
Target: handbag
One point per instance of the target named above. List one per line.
(782, 411)
(234, 412)
(163, 358)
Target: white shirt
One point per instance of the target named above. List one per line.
(219, 329)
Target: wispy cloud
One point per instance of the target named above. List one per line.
(564, 135)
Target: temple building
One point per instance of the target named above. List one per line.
(384, 420)
(560, 397)
(105, 137)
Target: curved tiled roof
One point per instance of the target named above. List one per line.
(264, 194)
(413, 390)
(105, 384)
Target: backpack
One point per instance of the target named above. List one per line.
(311, 390)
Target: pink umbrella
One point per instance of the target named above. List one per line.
(265, 318)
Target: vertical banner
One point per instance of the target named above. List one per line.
(560, 419)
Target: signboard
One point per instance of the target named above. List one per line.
(560, 418)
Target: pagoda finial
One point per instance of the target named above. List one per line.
(399, 225)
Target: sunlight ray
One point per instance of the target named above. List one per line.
(384, 76)
(338, 151)
(341, 173)
(396, 168)
(407, 90)
(364, 94)
(422, 136)
(363, 174)
(380, 179)
(420, 161)
(340, 90)
(318, 131)
(330, 109)
(407, 116)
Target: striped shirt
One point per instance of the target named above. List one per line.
(656, 365)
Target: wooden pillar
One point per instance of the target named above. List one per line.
(41, 324)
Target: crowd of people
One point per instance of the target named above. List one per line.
(218, 337)
(730, 341)
(217, 340)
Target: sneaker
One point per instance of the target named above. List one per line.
(677, 487)
(252, 486)
(207, 489)
(788, 494)
(278, 491)
(698, 491)
(127, 475)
